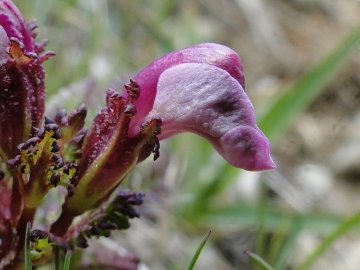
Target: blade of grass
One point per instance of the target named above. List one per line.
(261, 220)
(288, 244)
(67, 260)
(277, 240)
(154, 29)
(258, 260)
(242, 215)
(297, 97)
(326, 243)
(198, 251)
(57, 258)
(28, 263)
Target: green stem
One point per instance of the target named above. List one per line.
(326, 243)
(258, 260)
(57, 258)
(260, 220)
(60, 226)
(198, 251)
(28, 263)
(67, 260)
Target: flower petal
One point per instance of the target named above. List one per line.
(207, 100)
(210, 53)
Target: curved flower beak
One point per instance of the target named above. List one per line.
(201, 89)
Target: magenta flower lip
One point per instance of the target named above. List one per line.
(200, 89)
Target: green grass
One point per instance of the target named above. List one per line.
(28, 264)
(298, 96)
(197, 252)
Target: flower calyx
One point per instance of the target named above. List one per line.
(22, 95)
(109, 152)
(48, 158)
(115, 216)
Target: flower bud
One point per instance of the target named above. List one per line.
(22, 92)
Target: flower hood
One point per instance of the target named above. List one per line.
(200, 89)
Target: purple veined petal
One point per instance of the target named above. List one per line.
(210, 53)
(207, 100)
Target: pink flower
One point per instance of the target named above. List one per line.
(200, 89)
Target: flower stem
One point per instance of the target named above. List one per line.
(60, 226)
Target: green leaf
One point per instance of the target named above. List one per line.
(240, 215)
(305, 90)
(67, 260)
(326, 243)
(260, 213)
(28, 263)
(198, 251)
(258, 260)
(288, 243)
(57, 258)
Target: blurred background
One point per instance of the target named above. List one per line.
(301, 60)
